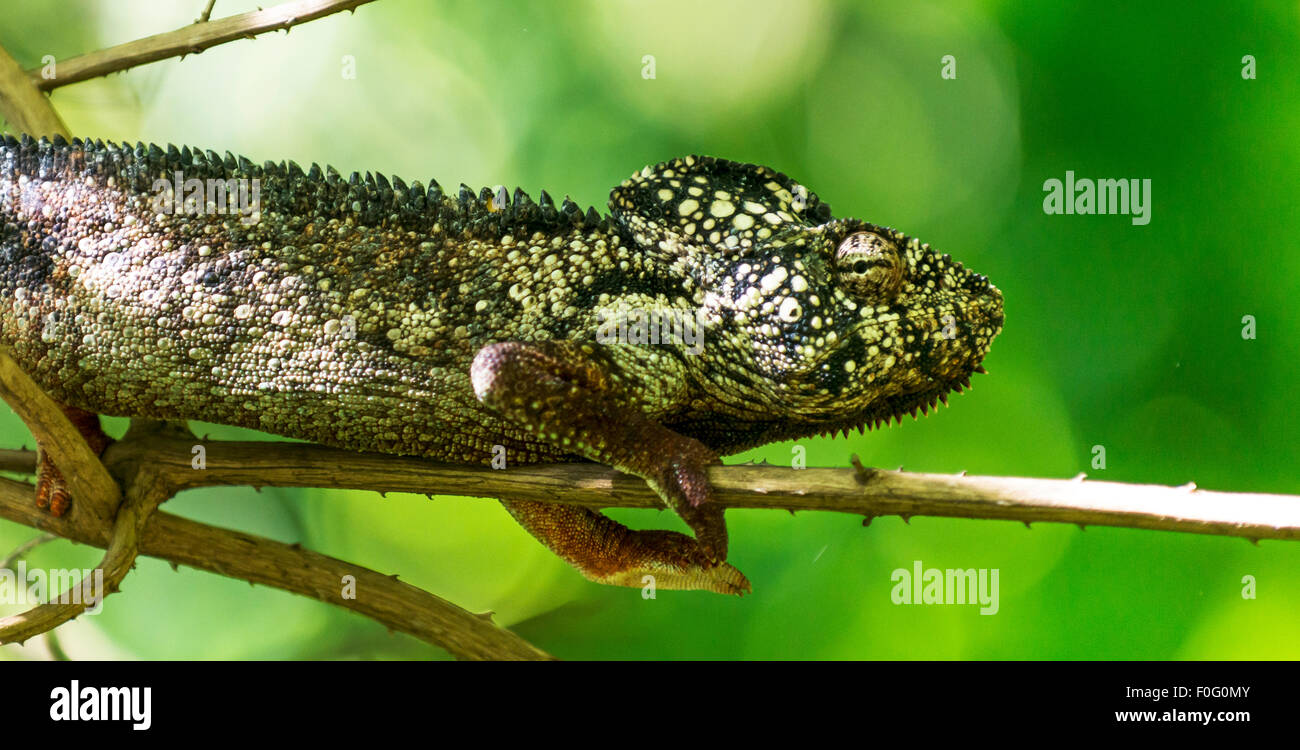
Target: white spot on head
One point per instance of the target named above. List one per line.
(773, 281)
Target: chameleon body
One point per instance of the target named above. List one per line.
(372, 314)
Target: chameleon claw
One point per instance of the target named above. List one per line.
(675, 562)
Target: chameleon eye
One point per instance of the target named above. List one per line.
(869, 265)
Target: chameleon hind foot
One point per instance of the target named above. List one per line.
(606, 551)
(51, 488)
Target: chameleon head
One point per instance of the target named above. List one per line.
(846, 323)
(863, 323)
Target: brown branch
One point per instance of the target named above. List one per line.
(187, 40)
(18, 462)
(859, 490)
(397, 605)
(118, 561)
(862, 491)
(86, 478)
(22, 104)
(98, 495)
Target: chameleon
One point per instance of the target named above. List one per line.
(371, 314)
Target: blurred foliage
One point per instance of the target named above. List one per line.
(1123, 336)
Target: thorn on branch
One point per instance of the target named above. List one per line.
(863, 474)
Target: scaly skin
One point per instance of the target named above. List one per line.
(373, 315)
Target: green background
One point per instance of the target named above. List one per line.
(1121, 336)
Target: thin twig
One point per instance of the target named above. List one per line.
(188, 40)
(207, 12)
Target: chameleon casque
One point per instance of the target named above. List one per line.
(376, 315)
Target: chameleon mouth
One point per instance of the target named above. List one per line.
(983, 323)
(894, 408)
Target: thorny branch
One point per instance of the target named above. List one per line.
(188, 40)
(859, 491)
(167, 462)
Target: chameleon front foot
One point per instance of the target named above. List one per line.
(573, 396)
(51, 488)
(608, 552)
